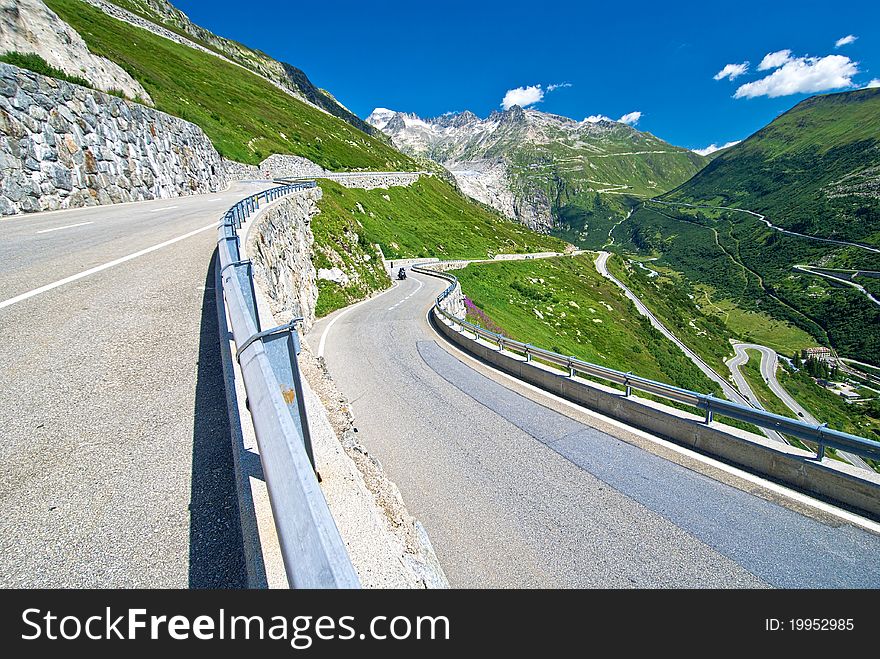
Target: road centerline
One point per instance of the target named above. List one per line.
(66, 226)
(100, 268)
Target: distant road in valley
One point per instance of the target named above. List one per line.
(814, 271)
(769, 363)
(764, 219)
(729, 391)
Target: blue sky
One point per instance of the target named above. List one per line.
(659, 59)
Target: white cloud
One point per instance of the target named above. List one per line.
(630, 118)
(874, 83)
(522, 96)
(712, 148)
(845, 41)
(732, 71)
(525, 96)
(803, 75)
(774, 60)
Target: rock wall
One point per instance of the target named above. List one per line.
(288, 166)
(29, 26)
(370, 180)
(64, 146)
(281, 249)
(487, 181)
(238, 171)
(280, 165)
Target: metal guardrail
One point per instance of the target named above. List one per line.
(313, 551)
(821, 435)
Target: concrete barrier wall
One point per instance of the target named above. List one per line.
(839, 483)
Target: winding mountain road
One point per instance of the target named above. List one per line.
(846, 282)
(117, 461)
(769, 363)
(729, 391)
(763, 218)
(516, 488)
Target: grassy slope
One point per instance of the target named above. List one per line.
(787, 169)
(168, 16)
(246, 117)
(668, 297)
(569, 177)
(829, 407)
(429, 218)
(750, 266)
(510, 292)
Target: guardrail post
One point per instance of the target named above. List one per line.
(571, 367)
(528, 353)
(629, 389)
(709, 413)
(820, 448)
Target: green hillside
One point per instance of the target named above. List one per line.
(734, 261)
(589, 194)
(246, 117)
(565, 305)
(165, 14)
(814, 169)
(430, 218)
(580, 176)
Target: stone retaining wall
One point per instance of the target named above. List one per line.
(65, 146)
(280, 246)
(238, 171)
(370, 180)
(287, 166)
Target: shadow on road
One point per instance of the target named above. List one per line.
(216, 554)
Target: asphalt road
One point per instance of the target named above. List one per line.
(513, 492)
(117, 466)
(769, 361)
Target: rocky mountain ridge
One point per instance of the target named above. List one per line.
(550, 172)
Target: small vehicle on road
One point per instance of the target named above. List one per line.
(401, 274)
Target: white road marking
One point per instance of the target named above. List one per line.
(68, 226)
(323, 340)
(100, 268)
(164, 208)
(398, 303)
(845, 515)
